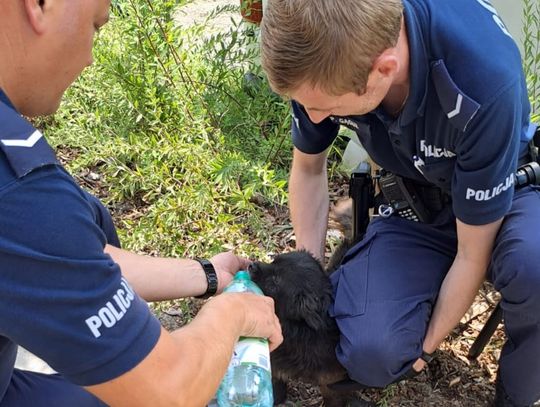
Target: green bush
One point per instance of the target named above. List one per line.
(531, 51)
(189, 157)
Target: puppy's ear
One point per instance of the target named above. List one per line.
(310, 308)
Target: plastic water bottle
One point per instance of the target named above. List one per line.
(248, 381)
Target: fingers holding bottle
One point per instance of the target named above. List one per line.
(255, 315)
(227, 264)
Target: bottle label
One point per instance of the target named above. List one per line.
(251, 351)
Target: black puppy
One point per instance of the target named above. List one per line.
(302, 294)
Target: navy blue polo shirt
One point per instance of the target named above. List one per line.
(61, 296)
(466, 120)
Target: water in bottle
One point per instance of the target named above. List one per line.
(248, 381)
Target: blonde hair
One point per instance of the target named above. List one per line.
(330, 44)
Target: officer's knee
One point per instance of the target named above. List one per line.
(519, 282)
(378, 360)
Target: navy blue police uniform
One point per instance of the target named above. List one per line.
(62, 297)
(464, 127)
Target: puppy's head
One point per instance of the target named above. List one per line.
(299, 286)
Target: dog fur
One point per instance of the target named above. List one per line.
(302, 293)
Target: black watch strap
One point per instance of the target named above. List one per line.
(211, 278)
(427, 357)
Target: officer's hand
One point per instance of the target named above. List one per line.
(256, 315)
(226, 265)
(419, 365)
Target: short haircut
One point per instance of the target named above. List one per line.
(330, 44)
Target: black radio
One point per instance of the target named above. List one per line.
(402, 198)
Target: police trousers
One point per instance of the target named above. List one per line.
(31, 389)
(387, 286)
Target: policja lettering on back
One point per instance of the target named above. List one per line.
(111, 313)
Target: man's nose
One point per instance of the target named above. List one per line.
(317, 116)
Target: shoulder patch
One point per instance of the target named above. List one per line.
(458, 107)
(25, 147)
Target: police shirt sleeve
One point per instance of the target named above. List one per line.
(309, 137)
(63, 298)
(483, 182)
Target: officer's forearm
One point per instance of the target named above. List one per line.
(455, 297)
(308, 202)
(475, 244)
(157, 278)
(185, 366)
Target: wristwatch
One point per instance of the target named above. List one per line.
(211, 278)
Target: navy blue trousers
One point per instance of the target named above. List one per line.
(387, 287)
(30, 389)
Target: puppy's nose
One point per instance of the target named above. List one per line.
(253, 268)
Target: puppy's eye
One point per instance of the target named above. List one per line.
(268, 284)
(273, 284)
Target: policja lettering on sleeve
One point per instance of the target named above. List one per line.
(488, 194)
(113, 311)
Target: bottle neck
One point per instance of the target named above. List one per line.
(242, 275)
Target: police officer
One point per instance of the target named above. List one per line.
(436, 93)
(67, 293)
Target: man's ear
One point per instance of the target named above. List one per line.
(35, 12)
(386, 64)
